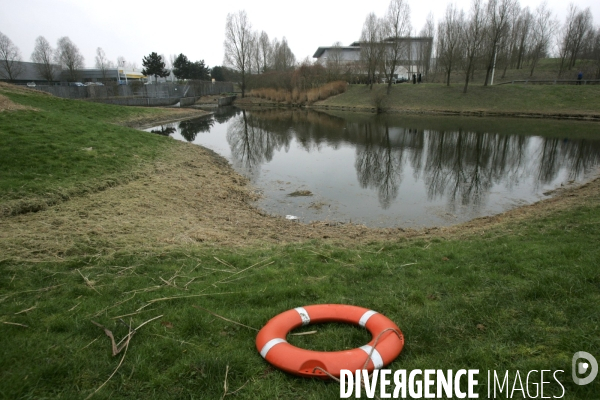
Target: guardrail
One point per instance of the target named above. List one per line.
(552, 82)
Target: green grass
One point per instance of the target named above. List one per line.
(509, 99)
(535, 288)
(69, 147)
(518, 297)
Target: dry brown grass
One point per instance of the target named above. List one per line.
(300, 97)
(7, 105)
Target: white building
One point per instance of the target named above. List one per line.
(415, 61)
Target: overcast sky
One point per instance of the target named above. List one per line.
(135, 28)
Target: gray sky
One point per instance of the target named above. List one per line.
(135, 28)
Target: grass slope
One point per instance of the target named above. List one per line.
(507, 99)
(67, 147)
(523, 298)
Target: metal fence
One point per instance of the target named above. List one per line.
(139, 90)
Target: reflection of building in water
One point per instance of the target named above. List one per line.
(462, 166)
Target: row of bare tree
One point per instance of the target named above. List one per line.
(49, 61)
(500, 33)
(66, 55)
(248, 51)
(492, 34)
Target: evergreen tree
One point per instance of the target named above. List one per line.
(183, 68)
(154, 65)
(217, 73)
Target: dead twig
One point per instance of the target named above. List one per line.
(225, 383)
(130, 314)
(89, 344)
(27, 310)
(114, 372)
(88, 282)
(113, 306)
(136, 329)
(303, 333)
(225, 319)
(31, 291)
(182, 297)
(224, 263)
(15, 323)
(406, 265)
(115, 349)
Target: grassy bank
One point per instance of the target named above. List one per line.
(53, 149)
(519, 294)
(501, 100)
(523, 297)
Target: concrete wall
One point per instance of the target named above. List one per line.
(156, 91)
(147, 102)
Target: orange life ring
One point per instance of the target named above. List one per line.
(272, 346)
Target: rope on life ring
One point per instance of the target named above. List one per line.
(386, 343)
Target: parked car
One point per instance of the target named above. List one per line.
(79, 84)
(30, 84)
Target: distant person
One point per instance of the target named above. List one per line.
(414, 79)
(579, 77)
(419, 78)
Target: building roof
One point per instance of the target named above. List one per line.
(321, 50)
(354, 46)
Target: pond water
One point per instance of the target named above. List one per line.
(394, 171)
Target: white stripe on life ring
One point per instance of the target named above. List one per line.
(375, 357)
(365, 317)
(303, 315)
(269, 345)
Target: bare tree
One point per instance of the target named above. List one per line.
(257, 60)
(10, 59)
(283, 58)
(370, 46)
(449, 40)
(473, 36)
(334, 62)
(69, 57)
(102, 63)
(396, 26)
(42, 55)
(576, 28)
(543, 28)
(426, 52)
(498, 24)
(265, 50)
(238, 44)
(524, 33)
(595, 52)
(121, 62)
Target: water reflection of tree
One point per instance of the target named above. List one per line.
(251, 145)
(465, 165)
(462, 166)
(378, 165)
(577, 156)
(164, 130)
(191, 127)
(224, 114)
